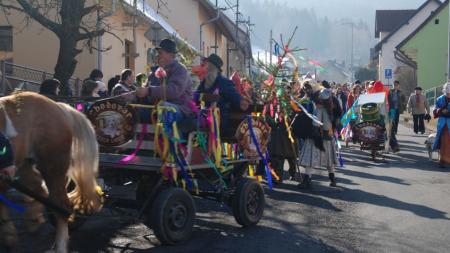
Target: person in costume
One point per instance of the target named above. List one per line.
(442, 112)
(324, 155)
(280, 146)
(229, 98)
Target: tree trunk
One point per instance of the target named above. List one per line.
(66, 64)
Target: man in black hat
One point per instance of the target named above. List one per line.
(176, 86)
(215, 83)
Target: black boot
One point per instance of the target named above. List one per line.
(332, 180)
(306, 182)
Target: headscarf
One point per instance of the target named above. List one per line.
(446, 89)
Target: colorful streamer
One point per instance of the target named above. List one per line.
(255, 141)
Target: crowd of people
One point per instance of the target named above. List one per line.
(315, 144)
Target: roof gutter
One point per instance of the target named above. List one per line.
(201, 29)
(399, 55)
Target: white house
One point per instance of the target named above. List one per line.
(387, 46)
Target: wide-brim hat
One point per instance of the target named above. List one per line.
(215, 60)
(168, 45)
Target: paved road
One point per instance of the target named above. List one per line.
(400, 205)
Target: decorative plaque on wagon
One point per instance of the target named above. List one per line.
(369, 132)
(244, 137)
(113, 121)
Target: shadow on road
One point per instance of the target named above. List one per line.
(294, 195)
(372, 176)
(356, 195)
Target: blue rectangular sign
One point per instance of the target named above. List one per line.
(388, 73)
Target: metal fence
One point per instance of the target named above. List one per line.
(17, 77)
(432, 94)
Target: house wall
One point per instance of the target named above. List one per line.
(387, 58)
(37, 47)
(429, 47)
(113, 60)
(43, 52)
(188, 26)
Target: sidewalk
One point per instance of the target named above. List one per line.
(407, 121)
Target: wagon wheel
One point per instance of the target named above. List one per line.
(172, 216)
(248, 202)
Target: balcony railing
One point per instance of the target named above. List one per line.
(17, 77)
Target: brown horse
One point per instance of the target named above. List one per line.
(52, 143)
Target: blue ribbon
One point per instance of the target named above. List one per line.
(169, 118)
(341, 160)
(255, 141)
(349, 115)
(277, 49)
(12, 205)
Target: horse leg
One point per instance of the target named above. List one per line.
(34, 212)
(54, 171)
(7, 229)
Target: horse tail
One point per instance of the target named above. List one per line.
(84, 163)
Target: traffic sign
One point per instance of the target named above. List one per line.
(388, 73)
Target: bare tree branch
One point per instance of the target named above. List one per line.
(90, 9)
(10, 7)
(90, 34)
(35, 14)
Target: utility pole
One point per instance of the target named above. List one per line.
(270, 47)
(352, 69)
(237, 20)
(215, 30)
(249, 25)
(448, 52)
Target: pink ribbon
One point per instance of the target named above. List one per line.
(79, 107)
(130, 157)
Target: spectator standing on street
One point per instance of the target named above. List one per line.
(442, 112)
(125, 85)
(353, 96)
(90, 89)
(50, 87)
(112, 82)
(396, 105)
(418, 106)
(97, 76)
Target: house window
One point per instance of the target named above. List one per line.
(129, 55)
(6, 39)
(436, 21)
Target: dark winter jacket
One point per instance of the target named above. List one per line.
(229, 99)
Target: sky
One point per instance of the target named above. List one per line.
(356, 9)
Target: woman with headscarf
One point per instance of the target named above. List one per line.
(442, 112)
(314, 154)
